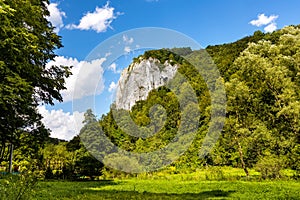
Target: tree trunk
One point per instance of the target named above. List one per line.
(2, 149)
(10, 157)
(242, 157)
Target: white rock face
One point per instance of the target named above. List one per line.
(139, 79)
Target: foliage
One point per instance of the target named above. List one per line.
(19, 185)
(87, 165)
(68, 161)
(261, 77)
(27, 43)
(269, 167)
(183, 51)
(163, 55)
(262, 84)
(263, 100)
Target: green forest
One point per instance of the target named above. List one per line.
(260, 75)
(260, 139)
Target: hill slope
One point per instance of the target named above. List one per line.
(261, 77)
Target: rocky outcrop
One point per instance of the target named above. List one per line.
(140, 78)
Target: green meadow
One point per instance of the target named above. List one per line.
(211, 183)
(167, 189)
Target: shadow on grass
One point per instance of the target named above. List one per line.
(67, 189)
(79, 190)
(80, 182)
(115, 194)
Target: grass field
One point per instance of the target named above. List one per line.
(167, 189)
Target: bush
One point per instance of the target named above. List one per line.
(269, 167)
(17, 187)
(214, 173)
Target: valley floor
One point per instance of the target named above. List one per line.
(167, 189)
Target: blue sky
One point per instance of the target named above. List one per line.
(84, 25)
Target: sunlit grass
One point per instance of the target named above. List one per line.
(169, 189)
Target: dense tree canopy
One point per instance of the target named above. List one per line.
(27, 43)
(263, 98)
(261, 75)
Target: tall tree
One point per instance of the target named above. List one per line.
(263, 99)
(27, 44)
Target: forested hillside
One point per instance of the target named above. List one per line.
(261, 78)
(262, 126)
(261, 74)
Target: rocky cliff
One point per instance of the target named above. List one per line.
(140, 78)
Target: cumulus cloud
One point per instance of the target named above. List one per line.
(62, 125)
(87, 78)
(271, 27)
(263, 20)
(108, 54)
(56, 16)
(113, 68)
(99, 20)
(127, 40)
(112, 87)
(127, 49)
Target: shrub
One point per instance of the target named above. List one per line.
(214, 173)
(269, 167)
(17, 187)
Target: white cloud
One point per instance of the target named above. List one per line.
(271, 27)
(268, 22)
(61, 124)
(127, 40)
(113, 68)
(127, 49)
(112, 87)
(56, 16)
(263, 20)
(99, 20)
(87, 78)
(108, 54)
